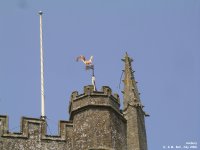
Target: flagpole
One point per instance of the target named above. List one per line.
(42, 70)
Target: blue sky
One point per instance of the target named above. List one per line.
(162, 36)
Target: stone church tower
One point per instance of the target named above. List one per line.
(96, 122)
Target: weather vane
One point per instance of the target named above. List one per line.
(88, 66)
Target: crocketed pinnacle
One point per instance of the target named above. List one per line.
(131, 94)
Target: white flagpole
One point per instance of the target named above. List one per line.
(42, 70)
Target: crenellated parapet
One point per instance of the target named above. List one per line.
(91, 98)
(3, 124)
(35, 128)
(98, 122)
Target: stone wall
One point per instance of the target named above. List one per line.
(96, 123)
(33, 136)
(99, 128)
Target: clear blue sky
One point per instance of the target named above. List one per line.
(163, 37)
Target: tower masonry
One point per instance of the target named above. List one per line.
(133, 110)
(95, 122)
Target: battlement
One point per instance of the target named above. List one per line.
(36, 129)
(89, 91)
(91, 98)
